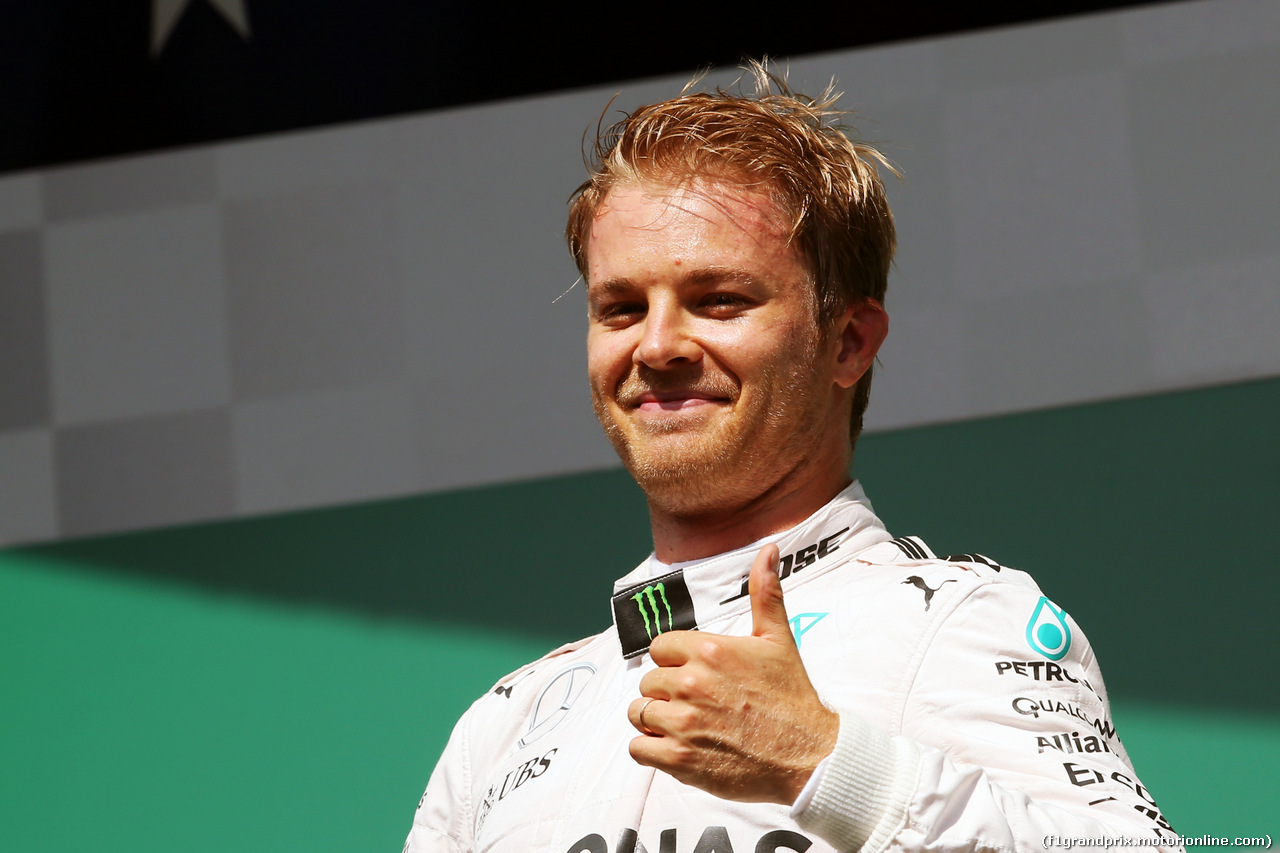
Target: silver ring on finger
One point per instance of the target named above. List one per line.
(644, 726)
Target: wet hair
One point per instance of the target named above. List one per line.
(794, 147)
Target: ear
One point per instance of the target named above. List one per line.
(860, 331)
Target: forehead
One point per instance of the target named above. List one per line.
(698, 221)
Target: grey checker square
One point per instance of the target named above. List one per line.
(922, 374)
(1033, 350)
(137, 310)
(148, 472)
(873, 77)
(508, 426)
(319, 157)
(131, 184)
(314, 296)
(328, 447)
(1173, 31)
(28, 511)
(483, 270)
(1216, 322)
(24, 360)
(1037, 51)
(1206, 137)
(911, 136)
(21, 201)
(1041, 186)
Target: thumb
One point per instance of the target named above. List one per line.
(768, 612)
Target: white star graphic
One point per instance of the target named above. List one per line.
(166, 13)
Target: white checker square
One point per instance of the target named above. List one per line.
(337, 446)
(137, 312)
(28, 509)
(313, 290)
(496, 345)
(482, 270)
(506, 426)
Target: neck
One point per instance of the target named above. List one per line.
(680, 536)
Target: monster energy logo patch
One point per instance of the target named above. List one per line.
(646, 601)
(650, 608)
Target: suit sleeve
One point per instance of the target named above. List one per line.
(444, 819)
(1006, 742)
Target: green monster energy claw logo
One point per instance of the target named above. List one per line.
(648, 602)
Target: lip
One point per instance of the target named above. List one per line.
(674, 401)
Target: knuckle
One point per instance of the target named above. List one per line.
(711, 651)
(685, 718)
(689, 684)
(683, 756)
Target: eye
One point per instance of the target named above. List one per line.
(620, 312)
(725, 302)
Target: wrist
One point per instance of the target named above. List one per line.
(824, 733)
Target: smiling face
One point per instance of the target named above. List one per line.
(708, 369)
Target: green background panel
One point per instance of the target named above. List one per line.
(1152, 521)
(285, 683)
(145, 716)
(1209, 770)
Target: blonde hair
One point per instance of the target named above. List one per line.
(786, 143)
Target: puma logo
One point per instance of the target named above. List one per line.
(917, 581)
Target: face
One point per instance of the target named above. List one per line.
(707, 366)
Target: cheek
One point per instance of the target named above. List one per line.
(606, 359)
(770, 352)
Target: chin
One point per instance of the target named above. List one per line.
(684, 477)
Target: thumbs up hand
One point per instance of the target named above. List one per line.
(735, 716)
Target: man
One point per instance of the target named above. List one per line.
(736, 252)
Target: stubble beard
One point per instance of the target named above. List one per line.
(730, 462)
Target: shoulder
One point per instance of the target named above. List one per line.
(509, 710)
(568, 651)
(973, 602)
(912, 550)
(989, 624)
(908, 560)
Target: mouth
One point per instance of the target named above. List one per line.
(678, 400)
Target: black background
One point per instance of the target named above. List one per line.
(80, 81)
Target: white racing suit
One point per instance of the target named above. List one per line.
(972, 717)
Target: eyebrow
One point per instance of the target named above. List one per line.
(610, 287)
(703, 275)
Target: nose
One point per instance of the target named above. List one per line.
(666, 338)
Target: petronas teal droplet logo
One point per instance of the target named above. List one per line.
(1048, 632)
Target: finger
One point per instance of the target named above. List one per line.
(665, 754)
(671, 648)
(657, 683)
(647, 750)
(640, 713)
(768, 612)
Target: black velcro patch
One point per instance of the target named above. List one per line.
(650, 608)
